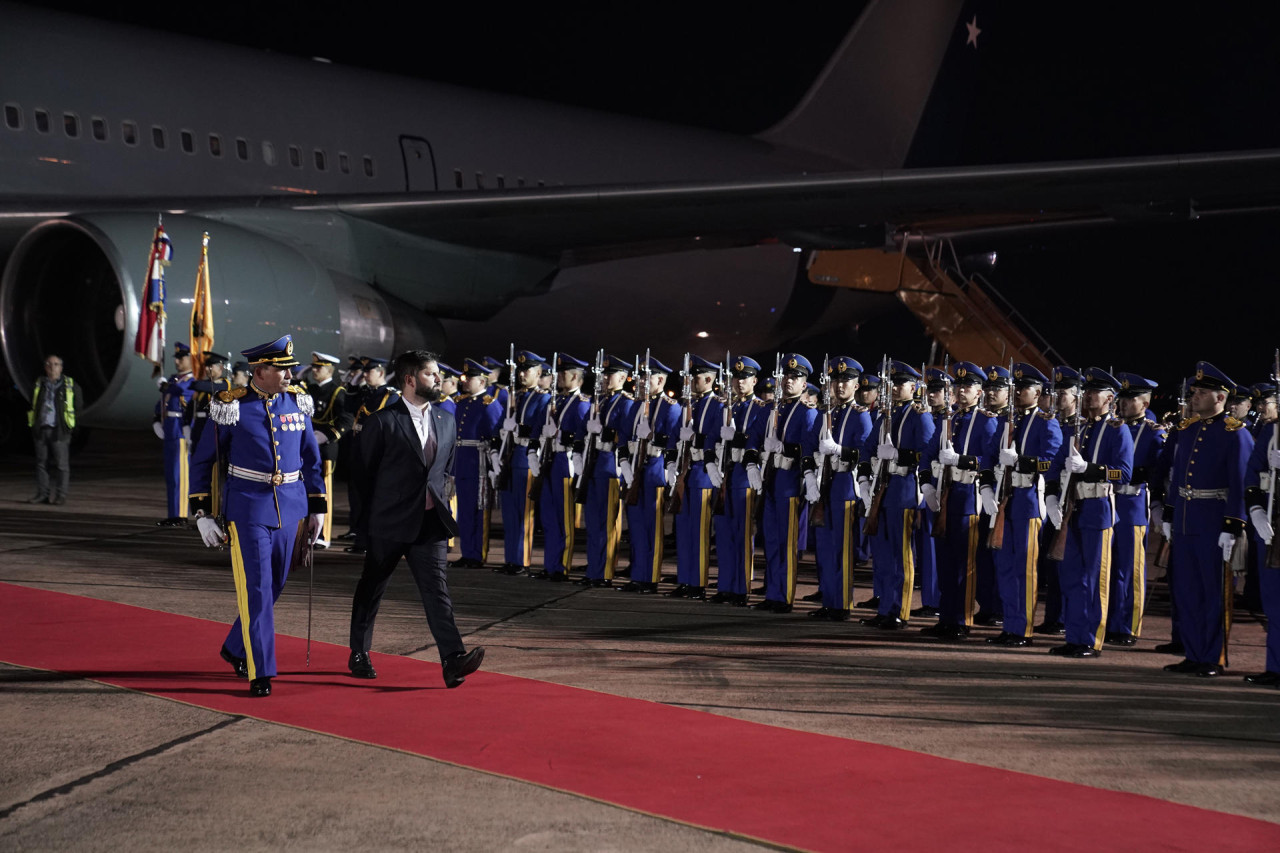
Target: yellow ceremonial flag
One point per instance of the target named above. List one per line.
(202, 313)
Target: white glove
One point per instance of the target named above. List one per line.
(811, 491)
(1008, 456)
(728, 432)
(321, 438)
(1227, 543)
(773, 445)
(1166, 527)
(594, 427)
(1076, 463)
(988, 498)
(549, 431)
(509, 424)
(186, 431)
(161, 382)
(158, 429)
(1273, 458)
(714, 475)
(315, 527)
(686, 432)
(827, 446)
(887, 451)
(1261, 523)
(1053, 508)
(948, 455)
(210, 533)
(625, 473)
(493, 478)
(864, 492)
(535, 465)
(643, 430)
(495, 460)
(930, 496)
(754, 478)
(670, 474)
(575, 460)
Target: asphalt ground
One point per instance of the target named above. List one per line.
(92, 767)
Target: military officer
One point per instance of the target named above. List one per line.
(1203, 516)
(699, 434)
(332, 420)
(196, 416)
(1240, 405)
(938, 398)
(1127, 599)
(997, 391)
(742, 430)
(555, 462)
(175, 394)
(598, 485)
(520, 427)
(1067, 385)
(478, 417)
(1264, 411)
(842, 433)
(1260, 482)
(274, 484)
(240, 375)
(450, 381)
(868, 396)
(963, 447)
(899, 438)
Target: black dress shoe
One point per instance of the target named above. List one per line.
(647, 588)
(1016, 642)
(1065, 650)
(739, 599)
(680, 591)
(509, 569)
(1182, 667)
(466, 563)
(872, 621)
(872, 603)
(892, 623)
(953, 633)
(820, 613)
(586, 581)
(768, 605)
(458, 666)
(935, 630)
(1207, 670)
(1051, 628)
(238, 665)
(540, 575)
(1172, 648)
(361, 666)
(925, 612)
(721, 598)
(1119, 638)
(629, 586)
(813, 596)
(260, 687)
(558, 577)
(599, 582)
(1000, 639)
(1263, 679)
(1084, 652)
(696, 593)
(988, 620)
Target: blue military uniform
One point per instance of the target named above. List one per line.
(528, 410)
(196, 417)
(602, 505)
(478, 417)
(746, 419)
(274, 480)
(646, 494)
(936, 380)
(559, 453)
(1259, 485)
(170, 413)
(694, 519)
(449, 403)
(333, 419)
(1065, 379)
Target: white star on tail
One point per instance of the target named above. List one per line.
(972, 27)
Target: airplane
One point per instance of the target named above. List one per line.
(367, 214)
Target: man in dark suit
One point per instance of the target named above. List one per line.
(406, 451)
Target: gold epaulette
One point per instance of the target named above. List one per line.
(1114, 422)
(297, 389)
(1186, 422)
(919, 408)
(985, 412)
(758, 401)
(233, 394)
(1045, 415)
(1232, 424)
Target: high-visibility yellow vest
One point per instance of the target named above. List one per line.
(69, 403)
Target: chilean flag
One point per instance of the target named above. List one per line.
(149, 343)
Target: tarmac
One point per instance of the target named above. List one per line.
(93, 767)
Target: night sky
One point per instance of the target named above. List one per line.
(1048, 81)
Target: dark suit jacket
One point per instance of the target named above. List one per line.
(393, 477)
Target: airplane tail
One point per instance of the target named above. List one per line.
(865, 106)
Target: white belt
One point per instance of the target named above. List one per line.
(898, 470)
(274, 478)
(1203, 494)
(736, 453)
(202, 414)
(1264, 481)
(964, 478)
(654, 451)
(1129, 490)
(523, 442)
(1022, 481)
(472, 442)
(173, 414)
(1093, 490)
(697, 454)
(605, 446)
(783, 462)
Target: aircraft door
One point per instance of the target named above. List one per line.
(419, 164)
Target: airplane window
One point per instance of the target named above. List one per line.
(188, 140)
(295, 156)
(479, 180)
(157, 137)
(320, 164)
(215, 145)
(368, 167)
(242, 148)
(457, 179)
(129, 132)
(268, 153)
(99, 129)
(501, 182)
(344, 163)
(519, 182)
(71, 124)
(42, 121)
(13, 116)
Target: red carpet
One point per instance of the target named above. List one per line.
(786, 787)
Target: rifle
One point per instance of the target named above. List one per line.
(770, 470)
(723, 458)
(1273, 550)
(683, 457)
(591, 447)
(547, 449)
(640, 458)
(508, 447)
(818, 512)
(880, 479)
(946, 478)
(1069, 501)
(995, 538)
(1163, 548)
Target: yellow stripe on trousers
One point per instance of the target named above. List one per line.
(655, 570)
(1104, 587)
(526, 547)
(1228, 604)
(793, 545)
(183, 500)
(908, 563)
(566, 522)
(242, 597)
(327, 466)
(1033, 560)
(613, 529)
(1139, 575)
(748, 539)
(847, 536)
(971, 568)
(704, 538)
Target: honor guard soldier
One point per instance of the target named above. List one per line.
(899, 438)
(274, 485)
(842, 433)
(1260, 497)
(1240, 405)
(790, 441)
(997, 391)
(868, 396)
(1204, 514)
(523, 422)
(332, 420)
(699, 434)
(450, 381)
(1013, 495)
(598, 486)
(1067, 388)
(742, 431)
(373, 395)
(938, 398)
(478, 417)
(963, 447)
(1133, 513)
(175, 394)
(555, 460)
(240, 374)
(1264, 406)
(1097, 459)
(767, 389)
(353, 378)
(197, 415)
(646, 466)
(1264, 411)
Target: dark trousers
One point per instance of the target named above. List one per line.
(426, 557)
(50, 448)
